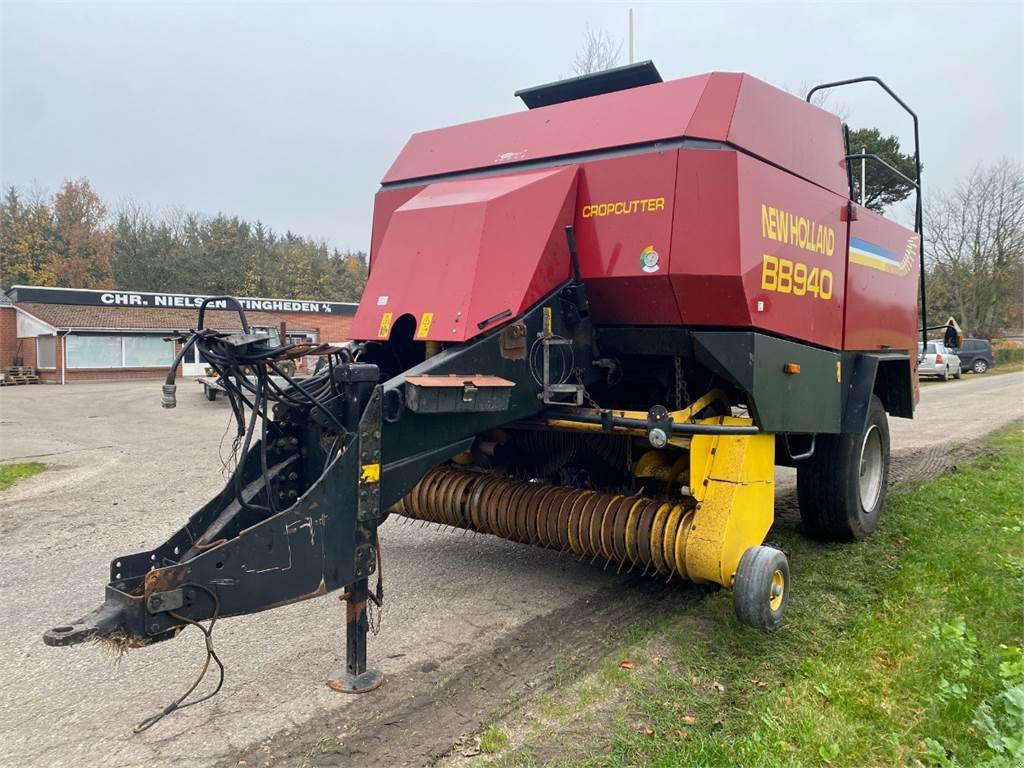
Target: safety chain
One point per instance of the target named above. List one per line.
(376, 600)
(682, 391)
(578, 373)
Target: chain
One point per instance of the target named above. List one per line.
(578, 373)
(375, 602)
(682, 391)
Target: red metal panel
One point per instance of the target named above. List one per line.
(461, 252)
(791, 133)
(737, 262)
(705, 264)
(634, 116)
(739, 109)
(713, 115)
(624, 235)
(384, 204)
(881, 288)
(785, 221)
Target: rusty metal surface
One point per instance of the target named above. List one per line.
(513, 342)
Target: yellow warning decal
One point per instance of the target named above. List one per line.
(370, 473)
(385, 326)
(425, 321)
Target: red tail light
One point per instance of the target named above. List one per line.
(938, 358)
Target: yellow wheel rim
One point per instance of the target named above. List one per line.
(778, 590)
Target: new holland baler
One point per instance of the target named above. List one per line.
(597, 326)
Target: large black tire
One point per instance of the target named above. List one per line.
(838, 501)
(760, 590)
(945, 374)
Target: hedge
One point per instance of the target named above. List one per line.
(1009, 354)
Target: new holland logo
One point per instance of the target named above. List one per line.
(649, 259)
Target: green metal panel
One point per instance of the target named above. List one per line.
(808, 401)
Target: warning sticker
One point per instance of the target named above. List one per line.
(385, 326)
(425, 321)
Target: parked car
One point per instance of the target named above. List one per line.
(937, 360)
(976, 355)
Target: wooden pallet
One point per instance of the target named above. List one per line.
(18, 374)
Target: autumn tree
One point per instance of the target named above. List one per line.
(190, 253)
(27, 241)
(68, 240)
(83, 257)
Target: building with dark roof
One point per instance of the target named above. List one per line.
(72, 334)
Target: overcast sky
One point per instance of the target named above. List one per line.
(292, 113)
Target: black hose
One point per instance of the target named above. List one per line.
(230, 299)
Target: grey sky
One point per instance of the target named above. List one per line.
(292, 113)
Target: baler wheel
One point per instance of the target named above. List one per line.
(841, 488)
(761, 588)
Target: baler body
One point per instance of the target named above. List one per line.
(714, 202)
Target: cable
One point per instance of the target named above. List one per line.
(211, 654)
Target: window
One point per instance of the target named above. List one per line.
(46, 351)
(147, 352)
(119, 352)
(94, 351)
(263, 331)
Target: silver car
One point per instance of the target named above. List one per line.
(937, 360)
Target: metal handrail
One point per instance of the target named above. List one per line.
(918, 214)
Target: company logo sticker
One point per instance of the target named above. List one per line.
(649, 259)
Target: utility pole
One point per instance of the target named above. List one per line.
(863, 171)
(630, 35)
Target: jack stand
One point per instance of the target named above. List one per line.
(356, 678)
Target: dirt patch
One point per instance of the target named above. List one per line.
(416, 720)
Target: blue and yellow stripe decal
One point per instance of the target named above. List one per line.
(868, 254)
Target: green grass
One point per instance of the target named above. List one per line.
(901, 650)
(11, 473)
(493, 739)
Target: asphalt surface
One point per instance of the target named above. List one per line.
(122, 474)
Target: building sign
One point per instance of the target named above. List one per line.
(40, 295)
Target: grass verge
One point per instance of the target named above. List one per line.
(11, 473)
(901, 650)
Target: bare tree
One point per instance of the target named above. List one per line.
(598, 52)
(975, 249)
(823, 99)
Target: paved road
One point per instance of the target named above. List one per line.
(123, 473)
